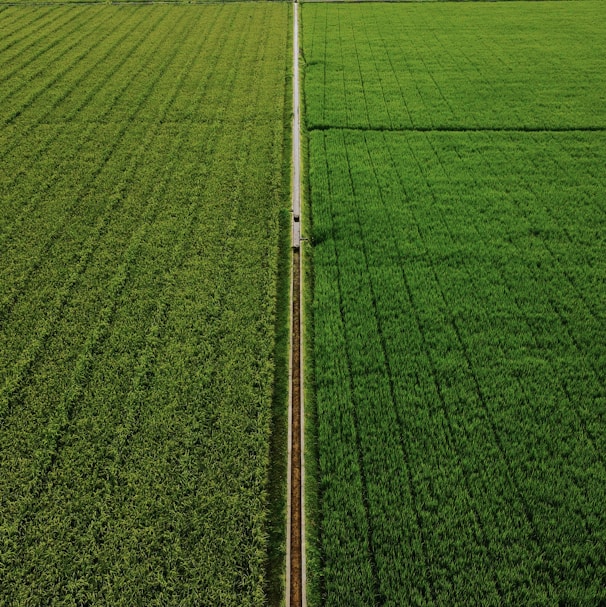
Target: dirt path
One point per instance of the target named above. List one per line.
(295, 592)
(296, 121)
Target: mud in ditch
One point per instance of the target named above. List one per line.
(296, 588)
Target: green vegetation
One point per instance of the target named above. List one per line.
(460, 365)
(456, 65)
(119, 2)
(141, 189)
(459, 304)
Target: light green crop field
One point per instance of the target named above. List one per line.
(120, 2)
(459, 247)
(142, 192)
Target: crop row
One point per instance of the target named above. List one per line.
(460, 367)
(141, 187)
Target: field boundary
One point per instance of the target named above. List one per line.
(457, 129)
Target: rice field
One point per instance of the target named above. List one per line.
(455, 65)
(459, 303)
(143, 199)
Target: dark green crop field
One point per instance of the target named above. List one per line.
(456, 65)
(459, 302)
(141, 194)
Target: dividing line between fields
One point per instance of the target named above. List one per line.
(295, 547)
(457, 129)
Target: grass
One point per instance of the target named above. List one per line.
(459, 308)
(141, 191)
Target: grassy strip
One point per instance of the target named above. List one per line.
(279, 441)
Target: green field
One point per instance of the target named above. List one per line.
(120, 2)
(143, 198)
(457, 191)
(457, 324)
(455, 65)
